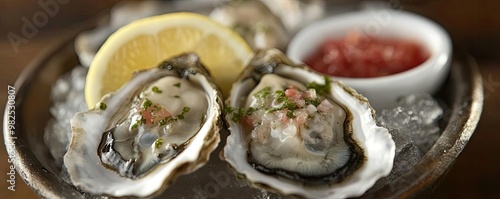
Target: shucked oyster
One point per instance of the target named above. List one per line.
(254, 22)
(160, 124)
(298, 133)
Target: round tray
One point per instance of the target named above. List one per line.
(462, 94)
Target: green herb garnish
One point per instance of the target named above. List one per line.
(163, 121)
(289, 105)
(315, 102)
(138, 122)
(228, 110)
(103, 106)
(158, 143)
(167, 120)
(178, 85)
(184, 111)
(263, 93)
(280, 95)
(239, 113)
(170, 119)
(274, 109)
(250, 110)
(156, 89)
(147, 104)
(321, 89)
(176, 96)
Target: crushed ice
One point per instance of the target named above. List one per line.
(67, 96)
(414, 127)
(413, 121)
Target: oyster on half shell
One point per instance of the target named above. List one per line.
(163, 123)
(299, 133)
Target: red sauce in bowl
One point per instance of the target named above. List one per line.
(362, 56)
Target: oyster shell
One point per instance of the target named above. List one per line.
(293, 134)
(160, 124)
(254, 22)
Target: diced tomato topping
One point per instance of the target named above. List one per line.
(159, 114)
(248, 121)
(281, 115)
(300, 118)
(325, 106)
(290, 92)
(147, 116)
(154, 113)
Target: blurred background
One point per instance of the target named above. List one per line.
(473, 24)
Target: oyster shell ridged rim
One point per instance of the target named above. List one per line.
(350, 186)
(157, 179)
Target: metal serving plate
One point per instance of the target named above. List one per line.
(462, 94)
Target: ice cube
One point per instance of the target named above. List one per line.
(409, 155)
(417, 116)
(424, 106)
(401, 139)
(405, 159)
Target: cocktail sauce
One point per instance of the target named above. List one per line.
(361, 56)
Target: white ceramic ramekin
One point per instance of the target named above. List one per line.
(382, 92)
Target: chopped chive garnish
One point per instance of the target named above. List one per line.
(158, 142)
(184, 111)
(178, 85)
(163, 121)
(280, 95)
(156, 89)
(314, 102)
(263, 93)
(136, 124)
(322, 89)
(103, 106)
(250, 110)
(147, 104)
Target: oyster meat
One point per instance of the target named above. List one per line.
(299, 133)
(160, 124)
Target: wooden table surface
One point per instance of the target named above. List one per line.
(476, 173)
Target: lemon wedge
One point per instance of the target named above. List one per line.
(147, 42)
